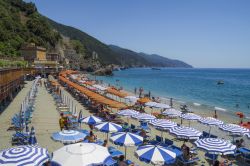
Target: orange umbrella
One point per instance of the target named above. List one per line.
(143, 100)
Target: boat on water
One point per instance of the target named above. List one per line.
(220, 82)
(154, 68)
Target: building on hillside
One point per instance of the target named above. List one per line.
(38, 58)
(31, 52)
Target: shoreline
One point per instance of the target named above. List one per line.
(198, 108)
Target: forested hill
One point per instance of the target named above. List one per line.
(21, 23)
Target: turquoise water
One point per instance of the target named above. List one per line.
(191, 85)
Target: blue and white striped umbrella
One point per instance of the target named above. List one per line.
(68, 136)
(144, 117)
(32, 138)
(91, 120)
(157, 155)
(190, 116)
(234, 129)
(128, 112)
(25, 155)
(163, 123)
(172, 112)
(126, 139)
(108, 127)
(247, 134)
(216, 146)
(211, 121)
(185, 132)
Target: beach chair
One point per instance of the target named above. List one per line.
(133, 128)
(205, 134)
(188, 162)
(156, 141)
(19, 139)
(211, 157)
(213, 136)
(111, 162)
(168, 142)
(115, 153)
(144, 126)
(245, 154)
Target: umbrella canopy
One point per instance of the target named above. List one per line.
(211, 121)
(234, 129)
(157, 105)
(185, 132)
(81, 154)
(247, 134)
(172, 112)
(32, 138)
(163, 123)
(68, 136)
(190, 116)
(24, 155)
(126, 139)
(161, 105)
(131, 99)
(144, 116)
(91, 120)
(216, 146)
(127, 112)
(150, 104)
(108, 127)
(157, 155)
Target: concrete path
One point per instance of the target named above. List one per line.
(45, 120)
(8, 113)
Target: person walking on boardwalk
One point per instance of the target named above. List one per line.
(61, 122)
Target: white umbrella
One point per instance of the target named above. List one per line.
(84, 154)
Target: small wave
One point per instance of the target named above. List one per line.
(197, 104)
(247, 117)
(220, 109)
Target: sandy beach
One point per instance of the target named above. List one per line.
(45, 120)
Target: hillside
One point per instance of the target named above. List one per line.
(151, 60)
(21, 23)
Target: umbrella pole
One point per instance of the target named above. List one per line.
(209, 131)
(125, 152)
(189, 123)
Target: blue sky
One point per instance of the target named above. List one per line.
(203, 33)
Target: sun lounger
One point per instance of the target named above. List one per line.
(115, 153)
(111, 162)
(245, 153)
(211, 157)
(20, 139)
(188, 162)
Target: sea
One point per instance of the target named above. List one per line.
(193, 86)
